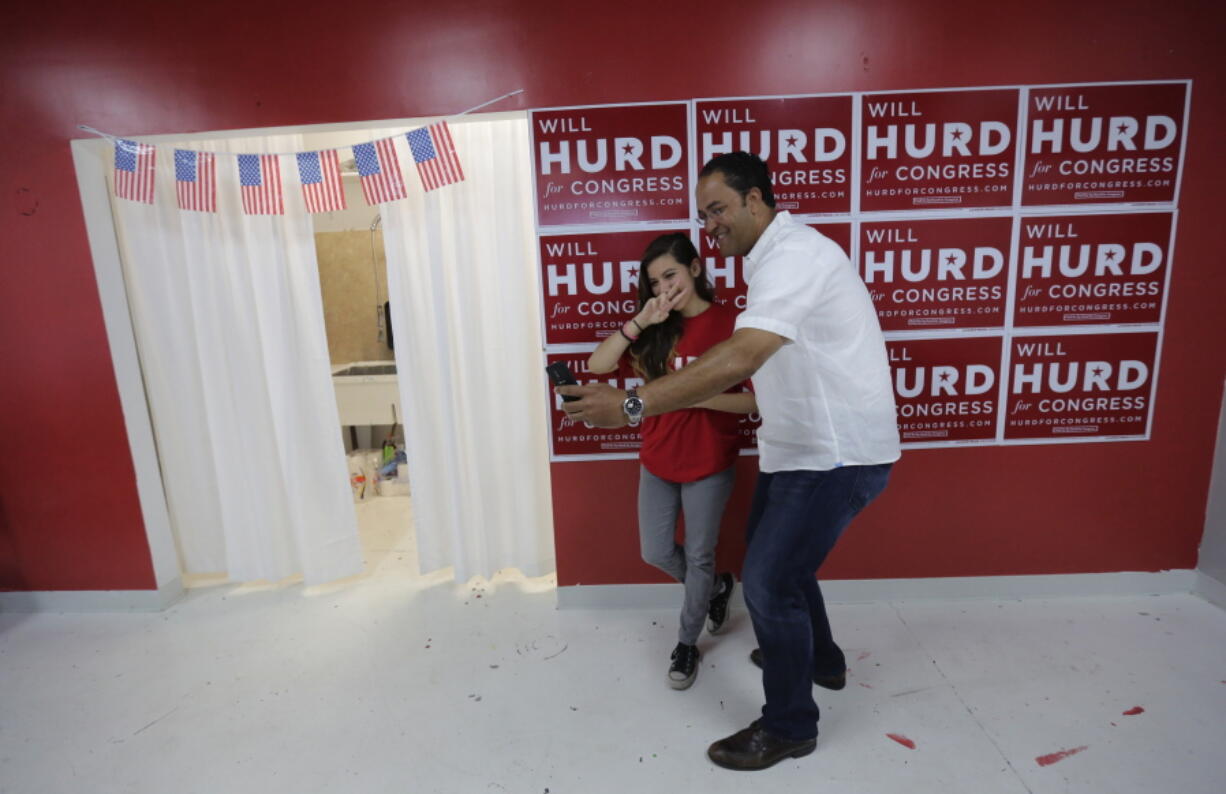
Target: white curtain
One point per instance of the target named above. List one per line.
(229, 324)
(465, 293)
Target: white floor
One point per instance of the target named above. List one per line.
(394, 682)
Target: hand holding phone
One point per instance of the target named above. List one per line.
(560, 375)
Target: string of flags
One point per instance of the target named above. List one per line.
(319, 173)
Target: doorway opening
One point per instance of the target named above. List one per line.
(361, 344)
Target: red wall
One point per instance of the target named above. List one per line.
(69, 516)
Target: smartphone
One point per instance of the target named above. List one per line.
(560, 375)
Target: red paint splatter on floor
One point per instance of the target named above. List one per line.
(1134, 711)
(903, 740)
(1048, 760)
(866, 686)
(863, 655)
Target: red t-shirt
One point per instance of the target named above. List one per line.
(687, 445)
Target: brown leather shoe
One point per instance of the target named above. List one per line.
(754, 748)
(828, 681)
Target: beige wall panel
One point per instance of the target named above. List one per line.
(353, 287)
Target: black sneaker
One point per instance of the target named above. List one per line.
(717, 609)
(684, 668)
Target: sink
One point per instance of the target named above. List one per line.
(367, 392)
(349, 370)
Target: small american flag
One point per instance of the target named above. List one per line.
(380, 171)
(196, 180)
(434, 153)
(320, 173)
(259, 176)
(134, 170)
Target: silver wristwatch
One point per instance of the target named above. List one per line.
(632, 407)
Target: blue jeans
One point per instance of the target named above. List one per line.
(794, 522)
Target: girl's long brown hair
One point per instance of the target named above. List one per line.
(656, 346)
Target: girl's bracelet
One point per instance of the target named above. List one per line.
(636, 325)
(629, 338)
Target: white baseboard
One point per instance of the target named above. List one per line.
(1211, 589)
(93, 600)
(666, 596)
(851, 591)
(623, 596)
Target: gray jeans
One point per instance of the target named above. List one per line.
(703, 501)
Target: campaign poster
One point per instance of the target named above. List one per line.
(591, 282)
(748, 432)
(611, 164)
(805, 140)
(1092, 269)
(727, 273)
(570, 438)
(946, 390)
(937, 274)
(1079, 386)
(1096, 144)
(931, 150)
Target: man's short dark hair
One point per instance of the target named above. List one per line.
(742, 171)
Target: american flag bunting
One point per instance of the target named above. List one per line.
(434, 153)
(134, 170)
(196, 180)
(322, 188)
(259, 177)
(379, 169)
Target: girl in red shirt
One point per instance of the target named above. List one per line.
(687, 456)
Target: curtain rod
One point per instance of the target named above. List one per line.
(120, 141)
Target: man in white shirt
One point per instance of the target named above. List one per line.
(810, 339)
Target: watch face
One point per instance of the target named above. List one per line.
(633, 406)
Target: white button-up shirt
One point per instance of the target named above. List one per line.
(825, 396)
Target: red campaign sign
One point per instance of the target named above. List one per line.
(574, 438)
(946, 390)
(1086, 269)
(748, 430)
(727, 273)
(614, 164)
(1099, 144)
(591, 282)
(727, 276)
(937, 149)
(806, 141)
(1080, 386)
(949, 273)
